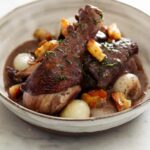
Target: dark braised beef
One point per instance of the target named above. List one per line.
(61, 68)
(102, 74)
(71, 71)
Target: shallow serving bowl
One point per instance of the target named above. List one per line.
(18, 27)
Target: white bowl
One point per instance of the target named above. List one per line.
(18, 27)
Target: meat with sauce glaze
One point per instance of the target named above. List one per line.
(62, 68)
(103, 74)
(60, 73)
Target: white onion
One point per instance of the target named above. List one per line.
(128, 84)
(21, 61)
(77, 109)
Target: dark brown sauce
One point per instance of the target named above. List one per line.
(30, 46)
(143, 80)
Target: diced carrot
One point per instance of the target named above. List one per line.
(120, 100)
(93, 104)
(95, 50)
(100, 93)
(42, 34)
(14, 91)
(64, 26)
(114, 32)
(95, 98)
(46, 46)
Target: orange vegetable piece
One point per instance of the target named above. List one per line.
(95, 50)
(42, 34)
(64, 26)
(120, 100)
(95, 98)
(14, 91)
(46, 46)
(114, 32)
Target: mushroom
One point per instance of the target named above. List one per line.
(22, 61)
(77, 109)
(128, 84)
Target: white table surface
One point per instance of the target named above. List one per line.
(15, 134)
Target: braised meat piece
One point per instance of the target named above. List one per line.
(57, 79)
(102, 74)
(61, 68)
(50, 103)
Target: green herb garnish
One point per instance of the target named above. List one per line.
(47, 53)
(111, 65)
(62, 51)
(106, 63)
(96, 21)
(60, 41)
(59, 78)
(60, 66)
(83, 26)
(68, 61)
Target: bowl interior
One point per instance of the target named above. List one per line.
(19, 25)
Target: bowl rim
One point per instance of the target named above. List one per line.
(15, 104)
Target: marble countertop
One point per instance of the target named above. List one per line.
(16, 134)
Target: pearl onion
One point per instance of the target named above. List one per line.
(21, 61)
(128, 84)
(77, 109)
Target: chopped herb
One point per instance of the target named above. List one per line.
(106, 63)
(83, 26)
(96, 21)
(61, 50)
(59, 78)
(68, 61)
(62, 77)
(60, 41)
(101, 16)
(109, 46)
(60, 66)
(47, 53)
(111, 65)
